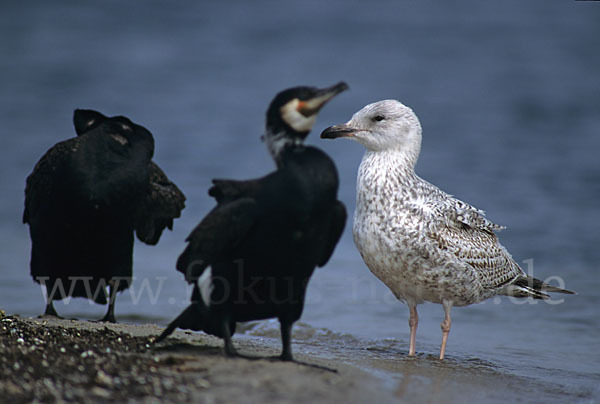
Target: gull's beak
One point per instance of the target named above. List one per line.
(336, 131)
(312, 106)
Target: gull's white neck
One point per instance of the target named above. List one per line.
(386, 168)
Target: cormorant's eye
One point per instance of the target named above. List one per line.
(379, 118)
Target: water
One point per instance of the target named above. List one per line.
(509, 97)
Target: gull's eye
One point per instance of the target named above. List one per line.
(378, 118)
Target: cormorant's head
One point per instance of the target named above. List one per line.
(292, 114)
(85, 120)
(121, 129)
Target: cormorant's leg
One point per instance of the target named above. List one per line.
(50, 311)
(110, 313)
(413, 321)
(445, 327)
(286, 340)
(286, 353)
(229, 348)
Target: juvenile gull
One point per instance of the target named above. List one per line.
(421, 242)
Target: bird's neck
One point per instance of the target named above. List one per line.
(382, 172)
(388, 163)
(280, 143)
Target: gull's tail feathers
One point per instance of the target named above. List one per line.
(527, 286)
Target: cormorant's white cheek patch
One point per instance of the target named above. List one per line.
(206, 286)
(297, 121)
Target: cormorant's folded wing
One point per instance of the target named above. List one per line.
(336, 228)
(228, 190)
(39, 185)
(163, 203)
(222, 230)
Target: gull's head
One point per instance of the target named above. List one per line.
(383, 125)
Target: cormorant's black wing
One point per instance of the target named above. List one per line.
(228, 190)
(163, 202)
(218, 233)
(40, 184)
(336, 228)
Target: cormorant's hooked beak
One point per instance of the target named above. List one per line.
(312, 106)
(336, 131)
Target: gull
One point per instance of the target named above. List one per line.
(421, 242)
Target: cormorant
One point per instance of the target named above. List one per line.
(83, 201)
(265, 237)
(421, 242)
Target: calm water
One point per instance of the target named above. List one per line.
(509, 97)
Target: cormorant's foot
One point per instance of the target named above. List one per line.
(50, 312)
(50, 315)
(280, 358)
(313, 365)
(289, 358)
(108, 318)
(286, 357)
(231, 352)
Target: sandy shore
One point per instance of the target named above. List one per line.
(53, 360)
(56, 361)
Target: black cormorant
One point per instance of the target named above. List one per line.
(83, 201)
(265, 237)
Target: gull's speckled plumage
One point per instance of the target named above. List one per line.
(421, 242)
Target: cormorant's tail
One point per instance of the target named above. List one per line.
(527, 286)
(190, 319)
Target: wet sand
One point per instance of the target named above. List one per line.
(54, 360)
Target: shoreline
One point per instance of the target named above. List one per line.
(57, 360)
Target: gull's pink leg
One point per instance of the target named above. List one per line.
(445, 327)
(413, 321)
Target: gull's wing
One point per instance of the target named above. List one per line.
(479, 249)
